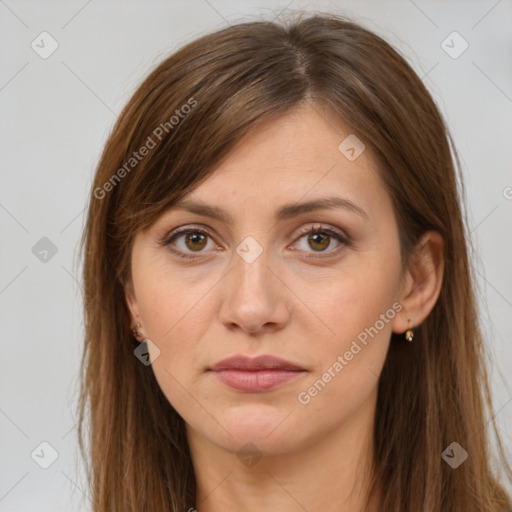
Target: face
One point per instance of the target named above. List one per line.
(316, 287)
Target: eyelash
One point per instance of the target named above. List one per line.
(313, 230)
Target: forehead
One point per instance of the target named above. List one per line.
(299, 156)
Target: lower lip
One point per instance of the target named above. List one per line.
(257, 380)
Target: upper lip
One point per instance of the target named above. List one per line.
(264, 362)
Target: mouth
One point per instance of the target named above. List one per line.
(255, 375)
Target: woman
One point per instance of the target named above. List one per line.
(279, 308)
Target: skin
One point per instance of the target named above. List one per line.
(314, 456)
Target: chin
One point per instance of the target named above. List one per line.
(270, 429)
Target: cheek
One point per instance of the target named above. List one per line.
(177, 313)
(343, 303)
(349, 360)
(356, 306)
(172, 300)
(178, 310)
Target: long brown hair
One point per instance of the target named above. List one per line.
(189, 114)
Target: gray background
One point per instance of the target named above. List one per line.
(55, 116)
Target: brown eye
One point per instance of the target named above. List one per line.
(319, 241)
(323, 241)
(195, 240)
(186, 242)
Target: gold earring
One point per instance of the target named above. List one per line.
(136, 332)
(409, 334)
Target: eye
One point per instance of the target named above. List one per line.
(320, 239)
(187, 241)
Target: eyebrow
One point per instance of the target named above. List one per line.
(285, 212)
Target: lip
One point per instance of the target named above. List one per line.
(256, 374)
(264, 362)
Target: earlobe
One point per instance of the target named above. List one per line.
(422, 283)
(133, 310)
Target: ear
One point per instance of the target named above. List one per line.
(131, 302)
(422, 282)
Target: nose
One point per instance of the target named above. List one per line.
(254, 299)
